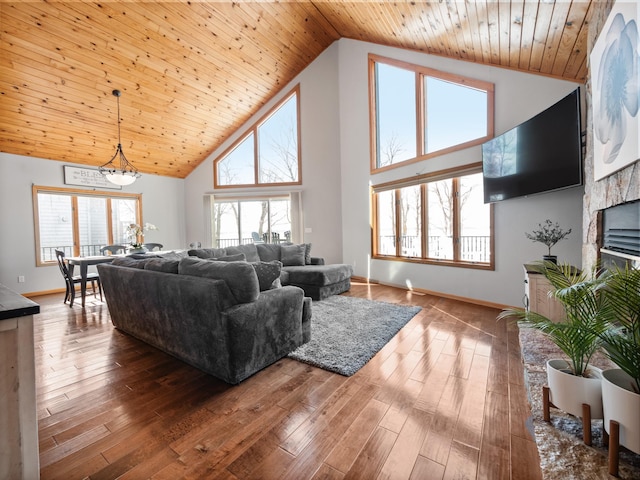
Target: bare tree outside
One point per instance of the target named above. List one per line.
(282, 165)
(499, 155)
(390, 151)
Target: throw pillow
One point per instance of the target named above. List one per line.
(239, 276)
(307, 253)
(231, 258)
(267, 273)
(292, 255)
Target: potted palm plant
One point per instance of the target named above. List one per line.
(573, 381)
(620, 337)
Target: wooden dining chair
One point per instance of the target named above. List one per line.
(113, 249)
(71, 281)
(152, 246)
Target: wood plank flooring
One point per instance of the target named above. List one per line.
(445, 399)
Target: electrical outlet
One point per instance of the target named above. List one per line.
(21, 279)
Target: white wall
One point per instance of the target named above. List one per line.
(320, 134)
(518, 96)
(162, 203)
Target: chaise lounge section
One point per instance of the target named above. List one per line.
(299, 268)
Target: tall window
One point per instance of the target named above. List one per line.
(418, 113)
(264, 219)
(268, 153)
(435, 219)
(80, 222)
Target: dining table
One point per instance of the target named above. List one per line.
(83, 263)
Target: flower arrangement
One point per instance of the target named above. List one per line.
(135, 233)
(548, 233)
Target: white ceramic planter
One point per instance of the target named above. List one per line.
(623, 406)
(568, 392)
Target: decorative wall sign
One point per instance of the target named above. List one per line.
(86, 177)
(615, 76)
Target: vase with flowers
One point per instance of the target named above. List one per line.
(135, 234)
(548, 233)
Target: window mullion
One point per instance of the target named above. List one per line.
(109, 222)
(398, 212)
(424, 228)
(239, 225)
(455, 212)
(75, 225)
(420, 117)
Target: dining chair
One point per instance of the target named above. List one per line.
(113, 249)
(72, 280)
(152, 246)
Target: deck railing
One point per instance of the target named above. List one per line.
(473, 248)
(48, 254)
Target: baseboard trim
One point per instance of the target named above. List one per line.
(43, 292)
(422, 291)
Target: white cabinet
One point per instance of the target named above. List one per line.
(537, 298)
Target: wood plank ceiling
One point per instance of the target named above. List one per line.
(192, 72)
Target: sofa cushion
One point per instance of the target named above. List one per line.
(249, 251)
(130, 262)
(174, 255)
(238, 257)
(292, 255)
(207, 252)
(319, 274)
(162, 265)
(267, 273)
(268, 251)
(239, 276)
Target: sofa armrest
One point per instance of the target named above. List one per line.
(317, 261)
(261, 332)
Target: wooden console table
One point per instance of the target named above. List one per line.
(18, 417)
(536, 291)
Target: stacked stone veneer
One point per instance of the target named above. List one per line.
(620, 187)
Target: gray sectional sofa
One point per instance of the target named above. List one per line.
(213, 315)
(299, 268)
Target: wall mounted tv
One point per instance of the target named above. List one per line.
(542, 154)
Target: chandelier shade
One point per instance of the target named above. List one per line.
(119, 170)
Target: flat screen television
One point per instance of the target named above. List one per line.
(542, 154)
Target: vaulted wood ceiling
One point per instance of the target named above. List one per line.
(192, 72)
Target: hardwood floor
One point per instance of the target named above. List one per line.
(444, 399)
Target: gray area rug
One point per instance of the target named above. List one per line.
(563, 454)
(346, 332)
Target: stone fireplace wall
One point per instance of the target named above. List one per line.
(620, 187)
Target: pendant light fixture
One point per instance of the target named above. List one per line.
(120, 171)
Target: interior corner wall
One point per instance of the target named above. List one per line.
(162, 205)
(518, 97)
(320, 189)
